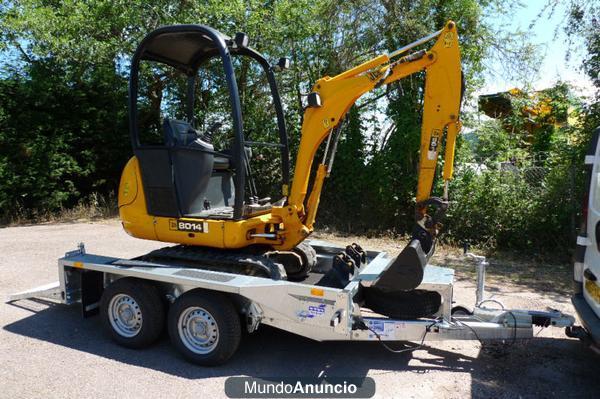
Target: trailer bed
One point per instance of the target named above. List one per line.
(303, 308)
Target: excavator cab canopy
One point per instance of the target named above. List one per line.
(185, 174)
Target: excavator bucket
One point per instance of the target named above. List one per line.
(405, 272)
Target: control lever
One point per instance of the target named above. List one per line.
(212, 129)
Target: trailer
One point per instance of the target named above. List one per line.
(205, 310)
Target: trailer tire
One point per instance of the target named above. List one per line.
(402, 304)
(132, 312)
(205, 327)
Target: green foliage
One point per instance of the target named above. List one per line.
(68, 63)
(59, 138)
(347, 187)
(494, 144)
(581, 23)
(508, 209)
(533, 200)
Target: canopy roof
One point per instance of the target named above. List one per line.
(182, 46)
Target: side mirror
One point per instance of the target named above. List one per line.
(241, 39)
(282, 64)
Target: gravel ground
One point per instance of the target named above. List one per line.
(48, 350)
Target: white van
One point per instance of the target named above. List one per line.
(586, 273)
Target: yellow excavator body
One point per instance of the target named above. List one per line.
(285, 224)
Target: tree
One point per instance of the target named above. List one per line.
(581, 22)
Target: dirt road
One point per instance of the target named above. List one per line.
(47, 350)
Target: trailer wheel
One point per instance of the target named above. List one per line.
(205, 327)
(132, 312)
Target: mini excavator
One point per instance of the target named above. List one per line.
(186, 190)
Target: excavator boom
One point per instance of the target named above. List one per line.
(332, 97)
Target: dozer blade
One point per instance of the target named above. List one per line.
(405, 272)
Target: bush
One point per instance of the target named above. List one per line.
(531, 207)
(63, 137)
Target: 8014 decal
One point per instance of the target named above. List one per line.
(186, 225)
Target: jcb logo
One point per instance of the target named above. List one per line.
(181, 225)
(448, 38)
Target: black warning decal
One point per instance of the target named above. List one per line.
(434, 142)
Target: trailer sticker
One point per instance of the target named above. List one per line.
(377, 325)
(317, 310)
(384, 328)
(313, 311)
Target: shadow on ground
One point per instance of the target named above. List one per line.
(542, 367)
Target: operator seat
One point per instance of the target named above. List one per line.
(192, 161)
(181, 133)
(203, 179)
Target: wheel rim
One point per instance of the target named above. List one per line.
(198, 330)
(125, 315)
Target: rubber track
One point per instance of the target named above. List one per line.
(236, 262)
